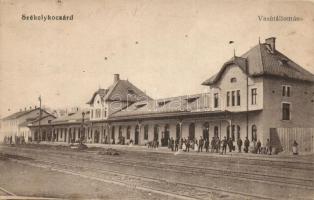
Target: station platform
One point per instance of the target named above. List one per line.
(283, 156)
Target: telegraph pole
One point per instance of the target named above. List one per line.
(40, 136)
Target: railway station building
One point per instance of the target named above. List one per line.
(249, 95)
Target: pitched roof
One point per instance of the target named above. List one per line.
(190, 103)
(72, 117)
(22, 113)
(102, 93)
(121, 90)
(32, 120)
(260, 61)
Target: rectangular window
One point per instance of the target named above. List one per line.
(286, 91)
(97, 113)
(228, 98)
(285, 111)
(253, 96)
(216, 100)
(238, 98)
(233, 98)
(92, 113)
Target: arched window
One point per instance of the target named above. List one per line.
(206, 131)
(233, 80)
(146, 132)
(178, 131)
(216, 131)
(233, 133)
(238, 132)
(120, 131)
(228, 132)
(192, 131)
(254, 133)
(166, 135)
(113, 133)
(156, 132)
(128, 132)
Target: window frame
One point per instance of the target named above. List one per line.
(233, 98)
(282, 111)
(146, 132)
(286, 90)
(254, 132)
(238, 97)
(253, 96)
(216, 100)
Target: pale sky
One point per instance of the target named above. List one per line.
(164, 47)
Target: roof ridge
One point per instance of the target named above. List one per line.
(112, 87)
(261, 57)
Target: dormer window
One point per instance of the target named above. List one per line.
(233, 80)
(130, 91)
(283, 61)
(191, 99)
(162, 103)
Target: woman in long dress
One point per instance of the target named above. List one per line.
(184, 146)
(195, 146)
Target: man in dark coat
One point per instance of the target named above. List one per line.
(212, 144)
(176, 145)
(230, 144)
(206, 144)
(224, 145)
(246, 145)
(239, 143)
(258, 147)
(200, 144)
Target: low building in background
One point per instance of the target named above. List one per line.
(14, 128)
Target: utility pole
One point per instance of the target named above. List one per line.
(39, 132)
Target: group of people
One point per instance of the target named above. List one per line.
(216, 145)
(15, 140)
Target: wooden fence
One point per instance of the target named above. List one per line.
(283, 138)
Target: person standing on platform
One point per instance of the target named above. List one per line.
(230, 144)
(224, 145)
(246, 145)
(172, 144)
(196, 145)
(295, 149)
(258, 147)
(207, 144)
(200, 144)
(212, 145)
(268, 147)
(187, 143)
(239, 143)
(176, 145)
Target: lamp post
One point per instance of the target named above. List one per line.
(82, 128)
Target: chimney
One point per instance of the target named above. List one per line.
(116, 78)
(272, 43)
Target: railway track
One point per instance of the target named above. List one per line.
(175, 189)
(64, 157)
(183, 167)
